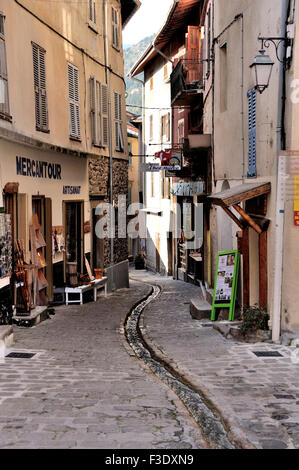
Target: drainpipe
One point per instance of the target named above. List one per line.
(105, 21)
(280, 205)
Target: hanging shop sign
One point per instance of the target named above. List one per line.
(150, 167)
(296, 201)
(226, 279)
(171, 160)
(38, 169)
(191, 188)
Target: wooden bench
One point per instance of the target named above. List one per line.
(95, 285)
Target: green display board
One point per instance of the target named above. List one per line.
(226, 281)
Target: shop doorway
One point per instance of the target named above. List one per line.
(97, 243)
(74, 235)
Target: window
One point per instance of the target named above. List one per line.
(151, 82)
(40, 93)
(223, 78)
(208, 42)
(165, 71)
(181, 131)
(119, 136)
(99, 112)
(4, 99)
(252, 170)
(92, 11)
(115, 28)
(74, 101)
(130, 153)
(165, 127)
(151, 128)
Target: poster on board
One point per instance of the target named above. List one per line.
(226, 283)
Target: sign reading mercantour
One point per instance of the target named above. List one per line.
(38, 169)
(226, 282)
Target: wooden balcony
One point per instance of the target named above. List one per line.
(185, 83)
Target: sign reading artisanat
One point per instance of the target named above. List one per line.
(38, 169)
(225, 286)
(71, 189)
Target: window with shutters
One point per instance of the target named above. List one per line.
(92, 14)
(99, 112)
(118, 125)
(74, 102)
(40, 92)
(115, 28)
(252, 170)
(4, 97)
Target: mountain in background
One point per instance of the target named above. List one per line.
(134, 89)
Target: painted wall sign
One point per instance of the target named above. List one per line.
(226, 278)
(38, 169)
(71, 189)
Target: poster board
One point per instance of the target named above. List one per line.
(226, 280)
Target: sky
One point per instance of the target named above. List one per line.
(148, 20)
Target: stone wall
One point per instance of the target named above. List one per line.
(99, 185)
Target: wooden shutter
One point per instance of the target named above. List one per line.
(94, 111)
(115, 27)
(252, 170)
(74, 101)
(119, 138)
(4, 101)
(104, 114)
(40, 93)
(193, 53)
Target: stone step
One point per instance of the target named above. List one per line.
(209, 295)
(36, 316)
(200, 309)
(6, 337)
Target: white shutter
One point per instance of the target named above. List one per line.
(40, 93)
(115, 27)
(74, 101)
(104, 115)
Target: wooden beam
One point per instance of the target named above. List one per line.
(233, 217)
(248, 219)
(246, 273)
(263, 270)
(239, 194)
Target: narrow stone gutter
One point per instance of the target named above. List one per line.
(211, 426)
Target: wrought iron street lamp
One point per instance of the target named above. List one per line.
(263, 64)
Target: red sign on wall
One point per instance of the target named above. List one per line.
(296, 218)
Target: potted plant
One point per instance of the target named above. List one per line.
(139, 262)
(254, 321)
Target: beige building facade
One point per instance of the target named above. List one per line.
(63, 128)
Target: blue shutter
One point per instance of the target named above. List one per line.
(252, 172)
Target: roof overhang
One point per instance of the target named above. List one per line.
(234, 196)
(178, 16)
(240, 193)
(128, 9)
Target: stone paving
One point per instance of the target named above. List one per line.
(83, 390)
(257, 396)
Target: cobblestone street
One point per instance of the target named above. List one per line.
(258, 397)
(83, 390)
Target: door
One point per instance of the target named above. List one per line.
(74, 234)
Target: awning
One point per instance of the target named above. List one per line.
(234, 196)
(240, 193)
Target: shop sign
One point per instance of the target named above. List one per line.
(71, 189)
(188, 189)
(171, 160)
(226, 278)
(37, 169)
